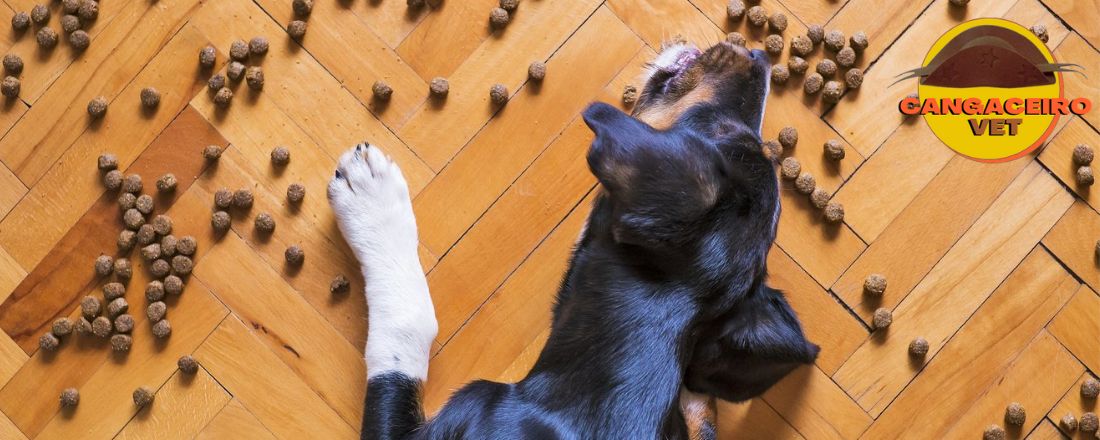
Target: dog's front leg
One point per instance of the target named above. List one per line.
(372, 206)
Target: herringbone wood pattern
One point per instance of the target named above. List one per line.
(993, 264)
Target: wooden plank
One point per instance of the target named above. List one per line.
(752, 420)
(290, 327)
(1081, 14)
(883, 22)
(288, 407)
(11, 189)
(548, 28)
(659, 20)
(878, 193)
(1077, 327)
(510, 320)
(391, 21)
(816, 406)
(64, 274)
(335, 123)
(432, 56)
(72, 183)
(1057, 156)
(925, 230)
(12, 358)
(954, 377)
(235, 421)
(1045, 431)
(1073, 240)
(9, 430)
(1073, 403)
(823, 249)
(183, 407)
(824, 319)
(11, 274)
(480, 173)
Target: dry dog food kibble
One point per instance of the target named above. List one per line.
(168, 245)
(1068, 423)
(736, 39)
(48, 342)
(805, 183)
(97, 106)
(296, 29)
(509, 5)
(90, 307)
(499, 94)
(536, 71)
(40, 14)
(1015, 415)
(144, 204)
(959, 2)
(20, 21)
(101, 327)
(123, 269)
(834, 150)
(235, 71)
(156, 311)
(151, 252)
(133, 219)
(833, 91)
(162, 329)
(212, 152)
(143, 396)
(994, 432)
(302, 8)
(89, 10)
(117, 307)
(242, 198)
(735, 9)
(772, 149)
(258, 46)
(254, 76)
(859, 41)
(121, 342)
(340, 284)
(160, 269)
(1083, 154)
(216, 82)
(224, 97)
(124, 323)
(83, 326)
(127, 239)
(882, 318)
(790, 168)
(780, 74)
(13, 63)
(816, 32)
(853, 78)
(834, 212)
(113, 291)
(630, 94)
(187, 245)
(103, 265)
(61, 327)
(813, 83)
(381, 91)
(1088, 422)
(1084, 175)
(1090, 388)
(827, 68)
(439, 87)
(295, 193)
(846, 57)
(264, 223)
(294, 255)
(834, 40)
(757, 16)
(874, 285)
(918, 347)
(150, 97)
(188, 364)
(499, 17)
(773, 44)
(126, 201)
(280, 156)
(79, 40)
(801, 45)
(10, 87)
(154, 291)
(162, 224)
(70, 397)
(182, 265)
(207, 57)
(777, 22)
(220, 221)
(146, 234)
(223, 198)
(788, 137)
(107, 162)
(167, 183)
(1041, 32)
(173, 285)
(238, 50)
(797, 65)
(820, 198)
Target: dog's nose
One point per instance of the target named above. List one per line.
(758, 54)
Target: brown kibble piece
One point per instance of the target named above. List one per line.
(144, 204)
(264, 223)
(780, 74)
(48, 342)
(168, 245)
(117, 307)
(834, 40)
(834, 150)
(223, 198)
(858, 41)
(101, 327)
(788, 137)
(212, 152)
(757, 15)
(235, 71)
(133, 219)
(1084, 175)
(258, 46)
(439, 87)
(736, 39)
(150, 97)
(772, 149)
(79, 40)
(238, 50)
(498, 18)
(1088, 422)
(959, 2)
(846, 57)
(40, 14)
(162, 224)
(188, 364)
(296, 29)
(156, 311)
(216, 82)
(498, 94)
(207, 57)
(20, 21)
(302, 8)
(280, 156)
(294, 255)
(182, 265)
(160, 268)
(126, 239)
(509, 5)
(154, 291)
(832, 92)
(536, 71)
(83, 326)
(853, 78)
(97, 107)
(777, 22)
(882, 318)
(70, 397)
(71, 6)
(10, 87)
(994, 432)
(1040, 31)
(773, 44)
(220, 221)
(162, 329)
(224, 97)
(103, 265)
(70, 23)
(1090, 388)
(242, 198)
(61, 327)
(790, 168)
(1015, 414)
(874, 285)
(820, 198)
(143, 396)
(735, 9)
(834, 212)
(918, 347)
(90, 307)
(827, 68)
(89, 10)
(816, 32)
(1068, 423)
(173, 285)
(146, 234)
(124, 323)
(295, 193)
(805, 183)
(187, 245)
(381, 91)
(630, 94)
(801, 45)
(123, 269)
(151, 252)
(126, 201)
(797, 65)
(13, 64)
(340, 284)
(113, 291)
(813, 83)
(121, 342)
(1082, 154)
(167, 183)
(254, 76)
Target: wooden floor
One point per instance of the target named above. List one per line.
(993, 264)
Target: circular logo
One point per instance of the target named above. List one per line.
(990, 90)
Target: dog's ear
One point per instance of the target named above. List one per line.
(618, 136)
(740, 355)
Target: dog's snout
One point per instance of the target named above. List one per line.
(757, 54)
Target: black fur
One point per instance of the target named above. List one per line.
(392, 409)
(666, 287)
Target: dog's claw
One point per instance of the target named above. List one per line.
(338, 175)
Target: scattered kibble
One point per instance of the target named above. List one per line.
(117, 307)
(10, 87)
(499, 94)
(846, 57)
(820, 198)
(162, 329)
(254, 76)
(509, 5)
(124, 323)
(853, 78)
(97, 106)
(882, 318)
(1041, 32)
(154, 291)
(61, 327)
(187, 245)
(123, 269)
(630, 94)
(773, 44)
(295, 193)
(151, 252)
(162, 224)
(827, 68)
(243, 197)
(182, 265)
(381, 91)
(499, 18)
(959, 2)
(143, 396)
(220, 221)
(101, 327)
(126, 201)
(90, 307)
(874, 285)
(13, 64)
(133, 219)
(280, 156)
(40, 14)
(834, 40)
(70, 397)
(144, 204)
(994, 432)
(224, 97)
(780, 74)
(127, 239)
(777, 22)
(160, 268)
(294, 255)
(216, 82)
(83, 326)
(132, 184)
(918, 347)
(797, 65)
(439, 87)
(48, 342)
(340, 284)
(208, 56)
(150, 97)
(104, 264)
(758, 16)
(1088, 422)
(20, 21)
(296, 29)
(89, 10)
(805, 183)
(1068, 423)
(832, 92)
(536, 71)
(223, 198)
(1084, 175)
(264, 223)
(212, 152)
(70, 6)
(834, 212)
(858, 41)
(258, 46)
(813, 83)
(816, 32)
(188, 364)
(173, 285)
(1082, 154)
(121, 342)
(788, 137)
(737, 39)
(1015, 415)
(80, 40)
(302, 8)
(70, 23)
(772, 149)
(168, 245)
(735, 9)
(834, 150)
(235, 70)
(1090, 388)
(238, 50)
(146, 234)
(156, 311)
(167, 183)
(790, 168)
(801, 45)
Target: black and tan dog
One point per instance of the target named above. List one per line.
(665, 291)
